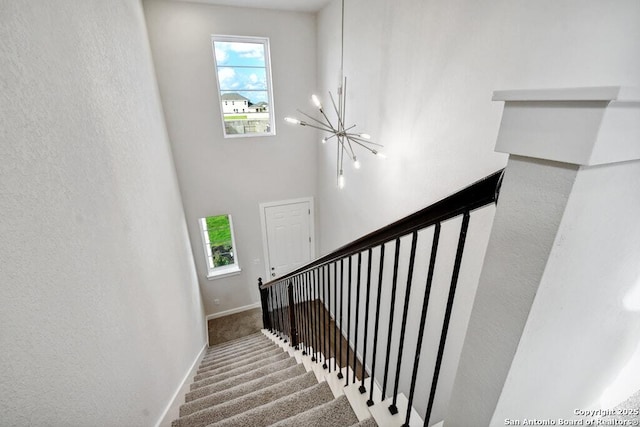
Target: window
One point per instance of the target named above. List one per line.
(243, 72)
(219, 246)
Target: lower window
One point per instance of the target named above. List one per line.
(219, 246)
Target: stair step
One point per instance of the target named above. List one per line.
(247, 402)
(220, 348)
(280, 409)
(212, 370)
(240, 370)
(336, 413)
(240, 390)
(253, 346)
(240, 379)
(235, 341)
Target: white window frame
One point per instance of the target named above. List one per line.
(225, 270)
(267, 64)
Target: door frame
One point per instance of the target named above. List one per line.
(263, 223)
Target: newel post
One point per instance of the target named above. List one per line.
(555, 324)
(264, 299)
(292, 316)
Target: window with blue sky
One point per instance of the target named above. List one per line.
(244, 84)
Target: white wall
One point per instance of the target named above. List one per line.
(235, 175)
(101, 316)
(447, 57)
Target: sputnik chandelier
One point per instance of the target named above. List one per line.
(345, 136)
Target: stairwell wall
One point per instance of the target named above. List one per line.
(234, 175)
(420, 80)
(100, 314)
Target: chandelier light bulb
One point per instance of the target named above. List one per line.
(341, 181)
(378, 154)
(324, 140)
(356, 163)
(365, 136)
(292, 120)
(316, 101)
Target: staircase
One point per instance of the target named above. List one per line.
(259, 380)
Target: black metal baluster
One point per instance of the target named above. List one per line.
(349, 316)
(310, 315)
(393, 408)
(375, 327)
(328, 330)
(296, 296)
(394, 287)
(335, 316)
(318, 318)
(355, 341)
(423, 319)
(277, 312)
(340, 376)
(285, 320)
(323, 311)
(362, 388)
(305, 309)
(293, 327)
(324, 317)
(447, 314)
(312, 318)
(314, 289)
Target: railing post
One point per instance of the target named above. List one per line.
(264, 299)
(292, 317)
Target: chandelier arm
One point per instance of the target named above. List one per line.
(366, 141)
(328, 121)
(365, 147)
(353, 155)
(329, 126)
(316, 127)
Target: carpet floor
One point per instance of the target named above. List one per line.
(252, 382)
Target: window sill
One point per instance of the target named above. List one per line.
(224, 272)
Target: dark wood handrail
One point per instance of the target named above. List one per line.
(476, 195)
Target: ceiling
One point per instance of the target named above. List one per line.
(296, 5)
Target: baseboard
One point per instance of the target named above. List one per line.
(178, 397)
(233, 311)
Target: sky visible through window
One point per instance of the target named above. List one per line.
(242, 70)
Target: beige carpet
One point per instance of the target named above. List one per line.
(251, 382)
(234, 326)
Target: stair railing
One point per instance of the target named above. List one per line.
(297, 307)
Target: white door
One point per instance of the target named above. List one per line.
(287, 229)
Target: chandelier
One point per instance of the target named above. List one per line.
(346, 137)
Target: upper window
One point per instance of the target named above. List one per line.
(219, 245)
(243, 72)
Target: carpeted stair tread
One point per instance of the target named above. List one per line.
(240, 379)
(247, 402)
(241, 390)
(234, 343)
(237, 340)
(239, 370)
(239, 351)
(369, 422)
(336, 413)
(217, 362)
(233, 349)
(241, 361)
(280, 409)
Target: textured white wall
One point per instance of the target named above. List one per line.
(100, 315)
(446, 58)
(235, 175)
